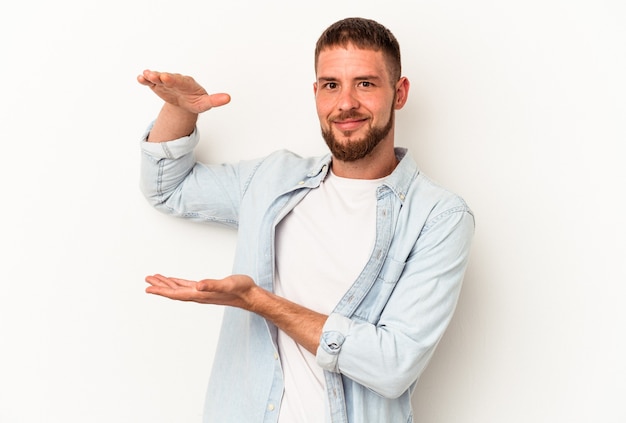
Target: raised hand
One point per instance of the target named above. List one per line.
(181, 91)
(184, 100)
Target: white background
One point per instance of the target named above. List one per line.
(519, 106)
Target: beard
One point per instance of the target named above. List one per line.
(353, 150)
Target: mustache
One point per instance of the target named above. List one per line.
(350, 114)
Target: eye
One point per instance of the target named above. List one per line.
(331, 85)
(365, 84)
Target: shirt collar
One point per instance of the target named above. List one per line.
(398, 181)
(403, 175)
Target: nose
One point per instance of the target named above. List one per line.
(347, 99)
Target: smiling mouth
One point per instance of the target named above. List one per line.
(348, 121)
(349, 125)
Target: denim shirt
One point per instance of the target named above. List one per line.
(380, 336)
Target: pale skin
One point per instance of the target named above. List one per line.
(347, 79)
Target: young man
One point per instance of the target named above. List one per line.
(348, 266)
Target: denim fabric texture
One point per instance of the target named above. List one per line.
(382, 333)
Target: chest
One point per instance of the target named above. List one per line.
(324, 243)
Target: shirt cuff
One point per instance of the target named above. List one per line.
(173, 149)
(334, 334)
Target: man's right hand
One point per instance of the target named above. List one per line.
(182, 91)
(184, 100)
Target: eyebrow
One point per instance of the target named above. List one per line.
(358, 78)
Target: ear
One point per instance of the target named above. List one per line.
(402, 92)
(315, 88)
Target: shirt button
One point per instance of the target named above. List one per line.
(270, 407)
(301, 183)
(275, 356)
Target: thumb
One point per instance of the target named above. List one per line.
(219, 99)
(205, 285)
(208, 101)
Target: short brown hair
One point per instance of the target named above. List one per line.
(365, 34)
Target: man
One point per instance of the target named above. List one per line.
(348, 267)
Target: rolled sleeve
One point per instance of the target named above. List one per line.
(333, 336)
(174, 149)
(387, 353)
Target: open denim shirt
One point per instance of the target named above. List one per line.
(382, 333)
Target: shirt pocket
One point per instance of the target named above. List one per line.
(376, 299)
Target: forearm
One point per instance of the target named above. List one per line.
(303, 325)
(172, 123)
(388, 351)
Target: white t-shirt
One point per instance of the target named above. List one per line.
(322, 245)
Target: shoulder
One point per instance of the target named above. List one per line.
(440, 197)
(427, 198)
(288, 157)
(284, 168)
(442, 203)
